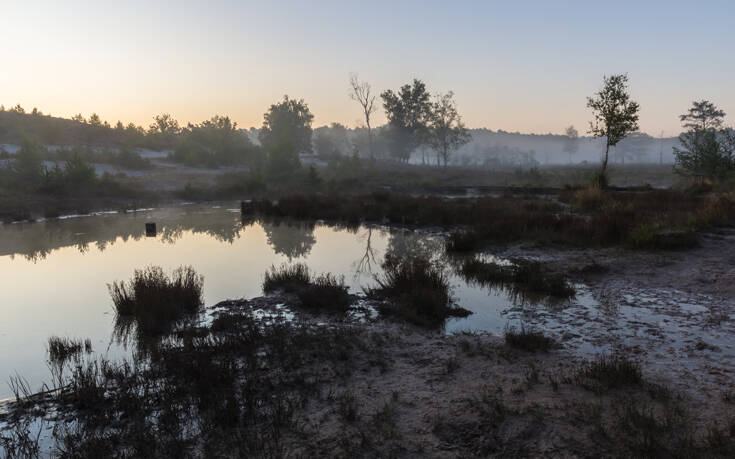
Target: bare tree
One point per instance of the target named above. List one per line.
(362, 93)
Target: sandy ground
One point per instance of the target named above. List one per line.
(470, 395)
(675, 310)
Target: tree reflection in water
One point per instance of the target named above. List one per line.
(290, 238)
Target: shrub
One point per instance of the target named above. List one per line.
(589, 199)
(653, 235)
(717, 210)
(325, 293)
(522, 277)
(289, 278)
(416, 290)
(156, 300)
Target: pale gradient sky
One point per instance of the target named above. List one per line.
(519, 66)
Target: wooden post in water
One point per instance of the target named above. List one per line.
(150, 229)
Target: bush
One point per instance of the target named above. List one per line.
(653, 235)
(156, 301)
(325, 293)
(416, 290)
(522, 277)
(289, 278)
(589, 199)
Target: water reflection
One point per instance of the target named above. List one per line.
(55, 272)
(367, 264)
(290, 238)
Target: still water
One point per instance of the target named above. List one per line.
(55, 273)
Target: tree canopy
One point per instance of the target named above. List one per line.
(409, 113)
(614, 114)
(446, 131)
(287, 122)
(707, 148)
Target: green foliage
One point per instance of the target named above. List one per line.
(416, 290)
(287, 123)
(707, 149)
(325, 293)
(446, 132)
(409, 113)
(28, 164)
(654, 235)
(289, 278)
(282, 159)
(156, 300)
(332, 140)
(212, 143)
(614, 114)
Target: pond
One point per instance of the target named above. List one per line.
(55, 272)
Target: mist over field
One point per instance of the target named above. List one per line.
(382, 229)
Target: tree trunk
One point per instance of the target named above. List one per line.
(370, 141)
(604, 161)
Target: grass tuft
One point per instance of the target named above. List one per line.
(289, 278)
(527, 339)
(416, 290)
(609, 372)
(527, 279)
(156, 300)
(325, 293)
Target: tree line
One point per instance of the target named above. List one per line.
(417, 121)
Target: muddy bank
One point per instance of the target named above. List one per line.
(673, 309)
(360, 386)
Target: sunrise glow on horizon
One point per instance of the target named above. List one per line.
(525, 66)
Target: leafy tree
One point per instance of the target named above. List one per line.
(446, 131)
(94, 120)
(287, 123)
(285, 133)
(408, 112)
(164, 124)
(214, 142)
(571, 142)
(163, 131)
(331, 140)
(78, 172)
(614, 114)
(28, 164)
(362, 93)
(703, 115)
(707, 147)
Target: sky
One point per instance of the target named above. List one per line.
(524, 66)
